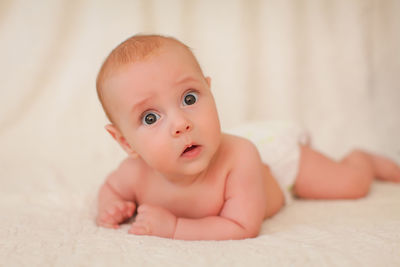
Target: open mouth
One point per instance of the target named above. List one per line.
(190, 148)
(191, 151)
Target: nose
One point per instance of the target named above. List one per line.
(181, 126)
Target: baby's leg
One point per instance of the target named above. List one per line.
(322, 178)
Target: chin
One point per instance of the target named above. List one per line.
(195, 167)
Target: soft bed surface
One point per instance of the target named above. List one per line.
(57, 229)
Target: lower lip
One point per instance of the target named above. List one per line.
(192, 153)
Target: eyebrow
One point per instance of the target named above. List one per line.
(140, 103)
(186, 79)
(144, 100)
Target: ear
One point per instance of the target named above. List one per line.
(117, 135)
(208, 80)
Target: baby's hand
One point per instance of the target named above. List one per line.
(114, 213)
(153, 220)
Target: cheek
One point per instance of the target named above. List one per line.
(212, 115)
(209, 121)
(153, 148)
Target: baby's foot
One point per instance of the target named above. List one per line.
(385, 169)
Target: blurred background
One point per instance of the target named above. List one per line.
(332, 66)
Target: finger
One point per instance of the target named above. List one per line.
(115, 213)
(131, 205)
(123, 210)
(140, 218)
(107, 225)
(112, 226)
(121, 207)
(106, 218)
(142, 224)
(138, 230)
(129, 209)
(129, 213)
(143, 208)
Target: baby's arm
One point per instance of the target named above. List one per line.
(116, 200)
(241, 217)
(244, 207)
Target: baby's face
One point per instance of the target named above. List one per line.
(166, 112)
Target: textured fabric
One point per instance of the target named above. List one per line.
(56, 228)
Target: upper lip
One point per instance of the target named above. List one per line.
(188, 146)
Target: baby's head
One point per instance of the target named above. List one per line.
(160, 104)
(134, 49)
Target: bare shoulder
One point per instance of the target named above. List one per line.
(125, 179)
(242, 155)
(247, 168)
(240, 149)
(130, 166)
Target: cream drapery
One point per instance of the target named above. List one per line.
(331, 66)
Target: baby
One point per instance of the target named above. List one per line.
(183, 177)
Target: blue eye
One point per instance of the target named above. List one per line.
(190, 99)
(150, 118)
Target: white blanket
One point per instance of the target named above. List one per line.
(57, 229)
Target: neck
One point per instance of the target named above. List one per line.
(183, 180)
